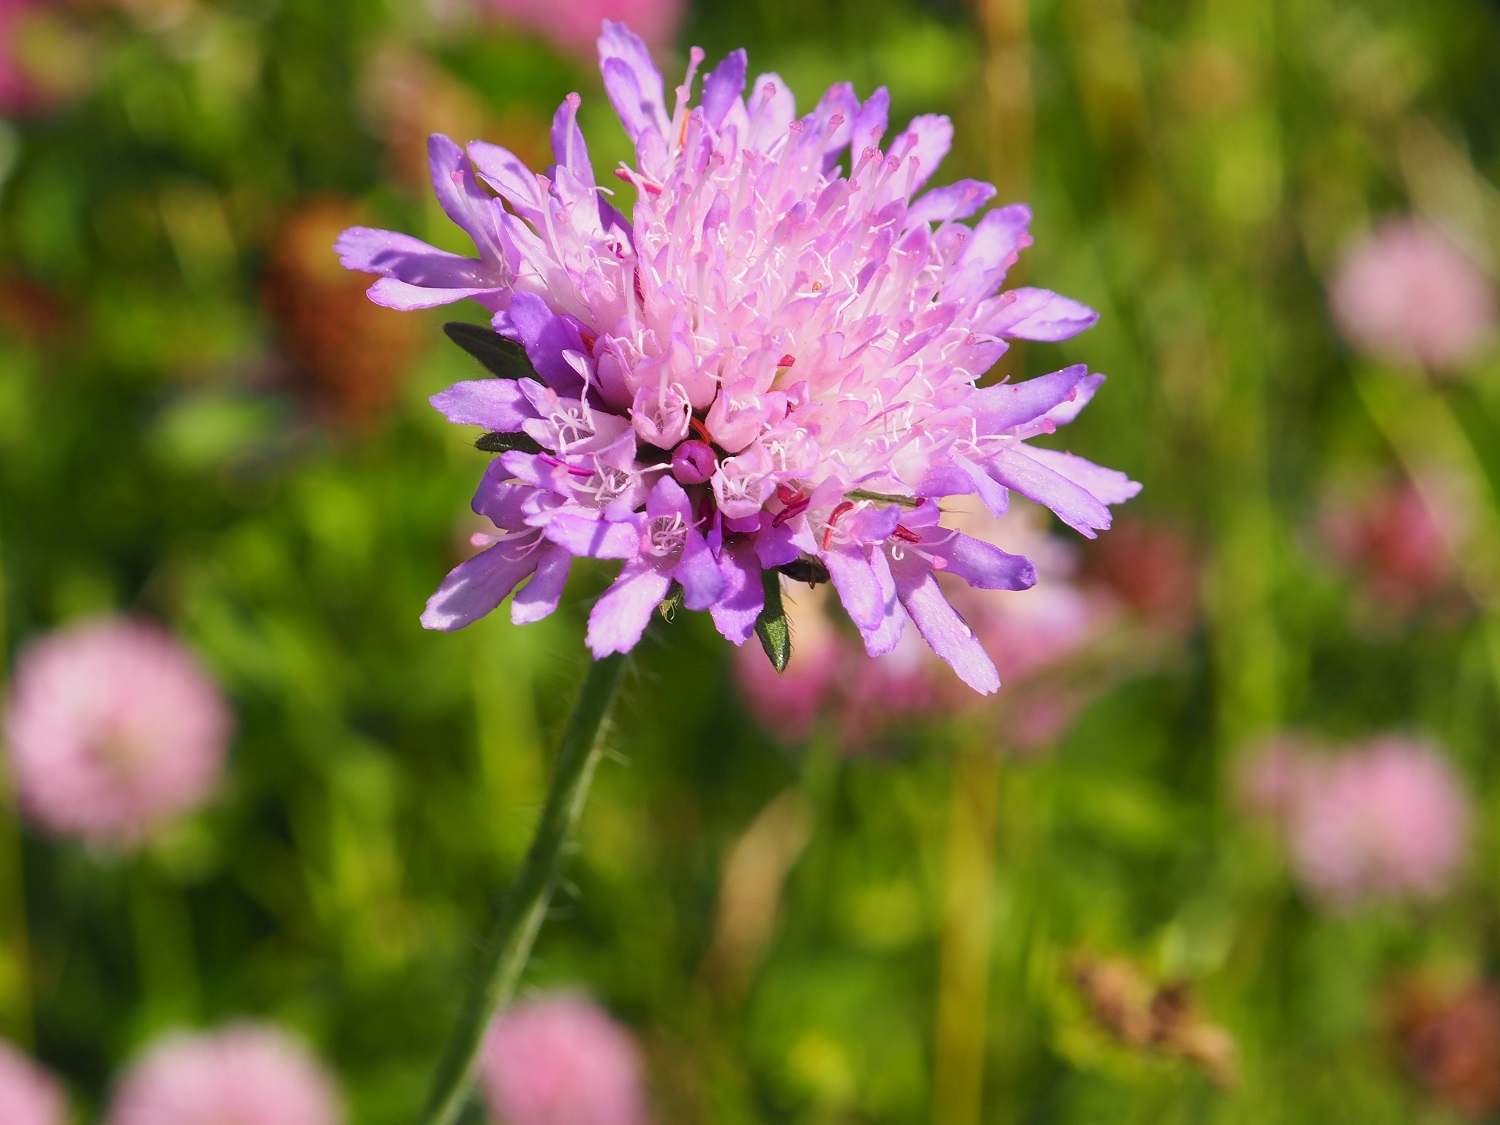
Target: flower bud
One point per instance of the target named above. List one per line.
(694, 462)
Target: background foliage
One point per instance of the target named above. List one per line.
(200, 421)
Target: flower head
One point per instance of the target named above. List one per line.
(113, 728)
(1451, 1044)
(777, 350)
(1408, 294)
(561, 1061)
(28, 1095)
(1387, 820)
(20, 92)
(245, 1075)
(1402, 537)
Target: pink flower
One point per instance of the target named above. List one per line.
(1270, 779)
(1030, 638)
(1388, 820)
(1408, 295)
(1402, 539)
(113, 729)
(28, 1095)
(561, 1061)
(1035, 638)
(574, 24)
(244, 1075)
(19, 93)
(771, 364)
(1151, 568)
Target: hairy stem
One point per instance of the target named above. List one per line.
(516, 925)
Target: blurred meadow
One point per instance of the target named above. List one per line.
(1093, 898)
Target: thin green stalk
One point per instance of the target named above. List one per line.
(967, 944)
(15, 947)
(166, 957)
(519, 919)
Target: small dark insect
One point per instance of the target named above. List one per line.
(810, 571)
(504, 443)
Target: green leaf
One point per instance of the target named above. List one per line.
(504, 443)
(771, 626)
(500, 356)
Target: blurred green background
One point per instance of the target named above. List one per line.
(202, 421)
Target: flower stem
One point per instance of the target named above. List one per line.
(519, 919)
(967, 940)
(15, 947)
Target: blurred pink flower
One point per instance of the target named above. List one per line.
(1409, 295)
(574, 24)
(244, 1075)
(1270, 779)
(28, 1095)
(1400, 540)
(561, 1061)
(19, 93)
(1387, 820)
(1150, 567)
(113, 728)
(1030, 637)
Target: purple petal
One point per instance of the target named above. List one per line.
(858, 589)
(928, 138)
(956, 201)
(777, 546)
(620, 617)
(838, 100)
(995, 498)
(698, 571)
(887, 634)
(1066, 411)
(500, 500)
(507, 174)
(539, 597)
(724, 86)
(1007, 405)
(945, 480)
(462, 199)
(945, 631)
(1075, 505)
(998, 239)
(394, 294)
(1040, 314)
(568, 145)
(772, 108)
(742, 597)
(632, 81)
(982, 565)
(496, 404)
(1109, 485)
(546, 336)
(668, 499)
(476, 586)
(408, 259)
(594, 538)
(870, 123)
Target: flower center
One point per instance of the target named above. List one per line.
(666, 535)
